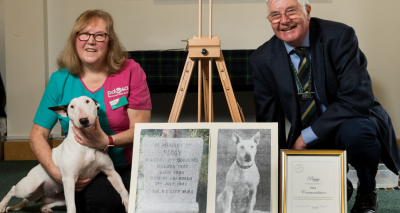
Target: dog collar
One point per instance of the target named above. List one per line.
(243, 167)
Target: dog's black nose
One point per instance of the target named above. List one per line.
(247, 158)
(84, 121)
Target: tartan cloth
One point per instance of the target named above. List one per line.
(164, 68)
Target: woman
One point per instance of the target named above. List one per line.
(95, 64)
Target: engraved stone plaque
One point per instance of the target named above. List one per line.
(171, 174)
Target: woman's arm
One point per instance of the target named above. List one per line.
(125, 139)
(97, 138)
(41, 148)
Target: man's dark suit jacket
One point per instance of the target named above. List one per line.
(342, 81)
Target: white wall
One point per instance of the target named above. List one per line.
(24, 24)
(240, 24)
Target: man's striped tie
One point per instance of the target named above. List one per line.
(304, 80)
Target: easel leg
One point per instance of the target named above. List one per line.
(210, 93)
(204, 67)
(226, 84)
(182, 89)
(200, 73)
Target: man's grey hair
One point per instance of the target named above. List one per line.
(301, 2)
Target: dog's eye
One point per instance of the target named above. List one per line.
(72, 106)
(252, 146)
(87, 101)
(242, 147)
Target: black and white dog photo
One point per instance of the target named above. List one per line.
(243, 171)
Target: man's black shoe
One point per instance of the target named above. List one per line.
(365, 203)
(350, 189)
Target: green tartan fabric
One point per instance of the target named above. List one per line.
(164, 68)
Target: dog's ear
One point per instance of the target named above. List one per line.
(256, 138)
(61, 110)
(97, 104)
(236, 138)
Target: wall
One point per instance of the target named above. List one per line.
(162, 24)
(2, 45)
(25, 53)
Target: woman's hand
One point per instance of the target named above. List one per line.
(94, 138)
(55, 173)
(81, 184)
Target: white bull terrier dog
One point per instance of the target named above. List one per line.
(73, 159)
(242, 179)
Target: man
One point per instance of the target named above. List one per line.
(313, 73)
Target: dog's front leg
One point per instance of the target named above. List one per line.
(252, 201)
(118, 185)
(69, 193)
(228, 200)
(6, 199)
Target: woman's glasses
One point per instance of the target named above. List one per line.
(84, 36)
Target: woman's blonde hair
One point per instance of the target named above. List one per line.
(116, 55)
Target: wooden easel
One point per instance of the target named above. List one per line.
(204, 49)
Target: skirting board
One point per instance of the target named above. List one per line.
(21, 150)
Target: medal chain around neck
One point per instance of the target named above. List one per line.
(307, 107)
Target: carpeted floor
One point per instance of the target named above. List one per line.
(13, 171)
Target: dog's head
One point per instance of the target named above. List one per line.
(81, 111)
(246, 149)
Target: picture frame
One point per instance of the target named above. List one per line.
(313, 181)
(206, 195)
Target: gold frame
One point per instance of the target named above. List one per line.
(285, 153)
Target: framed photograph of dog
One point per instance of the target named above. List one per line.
(246, 160)
(168, 173)
(313, 181)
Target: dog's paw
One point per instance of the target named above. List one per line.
(4, 209)
(46, 210)
(126, 206)
(125, 203)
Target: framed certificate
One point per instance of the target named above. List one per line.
(313, 181)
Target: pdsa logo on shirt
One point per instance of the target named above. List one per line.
(118, 91)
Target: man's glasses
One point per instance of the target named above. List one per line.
(290, 13)
(84, 36)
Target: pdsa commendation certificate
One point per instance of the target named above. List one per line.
(313, 184)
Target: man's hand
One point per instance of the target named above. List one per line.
(300, 144)
(94, 138)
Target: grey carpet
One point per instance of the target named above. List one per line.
(10, 173)
(13, 171)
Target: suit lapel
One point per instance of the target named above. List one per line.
(317, 61)
(284, 76)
